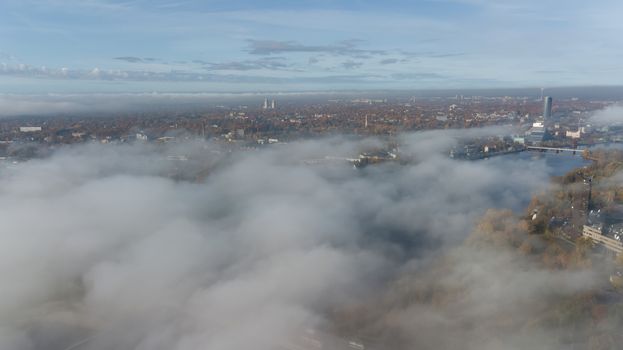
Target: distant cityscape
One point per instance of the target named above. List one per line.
(526, 121)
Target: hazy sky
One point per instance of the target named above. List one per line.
(189, 45)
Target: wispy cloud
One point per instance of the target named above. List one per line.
(130, 59)
(350, 64)
(387, 61)
(269, 63)
(188, 76)
(345, 48)
(417, 76)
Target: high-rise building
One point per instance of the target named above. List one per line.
(547, 107)
(265, 105)
(272, 104)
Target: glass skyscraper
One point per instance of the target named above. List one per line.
(547, 107)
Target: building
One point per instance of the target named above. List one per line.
(141, 136)
(467, 151)
(547, 107)
(574, 134)
(536, 134)
(266, 105)
(29, 128)
(597, 237)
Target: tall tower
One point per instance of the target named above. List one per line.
(542, 89)
(265, 105)
(547, 107)
(365, 125)
(273, 104)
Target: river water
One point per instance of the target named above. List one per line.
(557, 164)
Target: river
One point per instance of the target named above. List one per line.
(557, 164)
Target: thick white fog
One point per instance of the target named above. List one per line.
(101, 250)
(612, 114)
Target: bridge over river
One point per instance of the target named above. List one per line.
(554, 149)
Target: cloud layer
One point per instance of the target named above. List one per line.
(101, 247)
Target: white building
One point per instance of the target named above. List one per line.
(574, 134)
(29, 128)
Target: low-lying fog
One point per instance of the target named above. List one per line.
(100, 250)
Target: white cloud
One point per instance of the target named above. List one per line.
(99, 247)
(610, 115)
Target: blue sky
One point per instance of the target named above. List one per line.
(276, 45)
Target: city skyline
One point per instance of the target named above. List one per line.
(241, 46)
